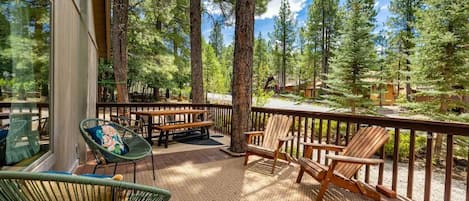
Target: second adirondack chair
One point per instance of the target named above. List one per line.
(274, 136)
(365, 143)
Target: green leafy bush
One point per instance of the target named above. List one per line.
(404, 145)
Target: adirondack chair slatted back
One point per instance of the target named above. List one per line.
(277, 127)
(364, 144)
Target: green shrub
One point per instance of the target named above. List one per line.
(460, 150)
(404, 145)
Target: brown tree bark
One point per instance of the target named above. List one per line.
(156, 93)
(196, 52)
(284, 60)
(119, 47)
(242, 74)
(323, 46)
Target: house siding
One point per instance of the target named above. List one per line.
(74, 78)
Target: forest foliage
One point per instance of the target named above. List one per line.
(337, 57)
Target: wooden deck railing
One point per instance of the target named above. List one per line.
(338, 128)
(38, 107)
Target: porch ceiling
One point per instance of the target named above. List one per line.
(102, 23)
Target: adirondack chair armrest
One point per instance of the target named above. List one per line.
(355, 160)
(251, 134)
(288, 138)
(328, 147)
(282, 141)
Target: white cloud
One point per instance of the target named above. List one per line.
(377, 4)
(216, 8)
(273, 8)
(385, 7)
(212, 8)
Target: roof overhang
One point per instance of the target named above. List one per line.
(102, 24)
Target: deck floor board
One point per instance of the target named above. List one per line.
(210, 174)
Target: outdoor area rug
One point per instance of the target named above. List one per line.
(196, 140)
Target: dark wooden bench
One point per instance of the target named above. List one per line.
(165, 129)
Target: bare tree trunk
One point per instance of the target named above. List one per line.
(196, 53)
(119, 48)
(242, 74)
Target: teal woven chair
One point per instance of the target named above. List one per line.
(138, 147)
(26, 186)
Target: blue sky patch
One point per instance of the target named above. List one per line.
(265, 22)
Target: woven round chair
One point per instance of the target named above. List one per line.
(138, 147)
(25, 186)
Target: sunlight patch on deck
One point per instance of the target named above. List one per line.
(231, 181)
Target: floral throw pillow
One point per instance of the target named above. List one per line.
(108, 137)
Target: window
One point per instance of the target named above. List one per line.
(25, 63)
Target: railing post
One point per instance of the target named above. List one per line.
(395, 159)
(467, 176)
(449, 166)
(428, 167)
(298, 133)
(410, 173)
(319, 139)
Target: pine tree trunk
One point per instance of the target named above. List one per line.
(242, 74)
(439, 137)
(323, 46)
(314, 70)
(284, 59)
(438, 147)
(196, 52)
(408, 88)
(119, 48)
(398, 76)
(156, 93)
(279, 78)
(314, 83)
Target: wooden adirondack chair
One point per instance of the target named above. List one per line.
(344, 166)
(274, 136)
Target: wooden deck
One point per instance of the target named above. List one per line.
(209, 174)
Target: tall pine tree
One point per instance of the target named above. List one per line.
(349, 80)
(284, 34)
(261, 71)
(216, 38)
(323, 25)
(304, 66)
(213, 71)
(441, 57)
(403, 32)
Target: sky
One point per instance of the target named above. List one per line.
(265, 22)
